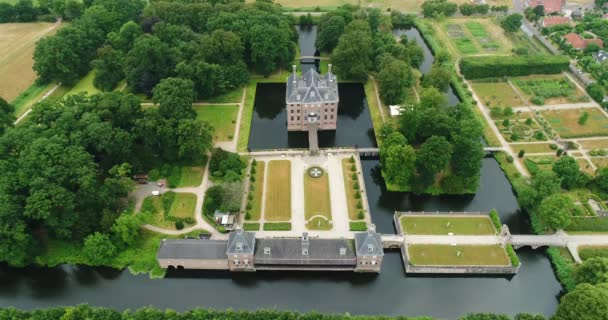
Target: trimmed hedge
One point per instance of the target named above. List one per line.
(599, 224)
(564, 268)
(512, 255)
(502, 66)
(495, 220)
(358, 226)
(277, 226)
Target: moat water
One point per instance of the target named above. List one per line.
(534, 289)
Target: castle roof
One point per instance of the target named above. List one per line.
(369, 243)
(312, 87)
(241, 242)
(290, 251)
(186, 249)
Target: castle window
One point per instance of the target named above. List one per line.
(332, 116)
(325, 117)
(291, 111)
(291, 118)
(298, 118)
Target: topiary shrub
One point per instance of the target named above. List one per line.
(179, 225)
(359, 205)
(521, 153)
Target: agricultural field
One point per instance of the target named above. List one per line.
(317, 202)
(475, 35)
(169, 207)
(566, 122)
(443, 225)
(17, 44)
(461, 255)
(496, 94)
(549, 89)
(221, 117)
(278, 191)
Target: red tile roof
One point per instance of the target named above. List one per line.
(555, 20)
(605, 16)
(577, 42)
(551, 6)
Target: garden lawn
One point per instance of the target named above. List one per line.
(349, 187)
(278, 191)
(222, 118)
(183, 205)
(531, 147)
(438, 225)
(585, 166)
(497, 94)
(600, 162)
(316, 198)
(593, 144)
(470, 255)
(258, 192)
(537, 163)
(191, 176)
(233, 96)
(84, 85)
(565, 122)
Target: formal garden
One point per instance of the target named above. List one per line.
(520, 126)
(458, 255)
(317, 199)
(577, 123)
(448, 224)
(549, 89)
(353, 189)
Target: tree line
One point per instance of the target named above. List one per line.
(42, 10)
(67, 170)
(444, 8)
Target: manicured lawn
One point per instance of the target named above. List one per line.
(278, 191)
(247, 115)
(277, 226)
(531, 147)
(351, 190)
(17, 44)
(593, 144)
(553, 89)
(222, 118)
(318, 223)
(183, 205)
(358, 226)
(442, 225)
(85, 85)
(258, 192)
(585, 166)
(374, 108)
(461, 255)
(191, 177)
(316, 196)
(565, 122)
(233, 96)
(251, 226)
(497, 94)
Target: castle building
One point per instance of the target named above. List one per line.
(312, 103)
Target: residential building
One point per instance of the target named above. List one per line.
(600, 56)
(550, 6)
(579, 43)
(550, 21)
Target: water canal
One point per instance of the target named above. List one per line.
(534, 289)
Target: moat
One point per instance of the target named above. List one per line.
(534, 289)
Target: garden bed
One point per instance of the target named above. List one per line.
(545, 89)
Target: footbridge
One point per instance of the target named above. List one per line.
(312, 58)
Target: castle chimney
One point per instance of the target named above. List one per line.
(294, 73)
(371, 229)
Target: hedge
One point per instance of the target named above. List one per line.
(599, 224)
(512, 255)
(502, 66)
(564, 268)
(495, 220)
(358, 226)
(277, 226)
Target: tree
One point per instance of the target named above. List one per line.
(194, 139)
(596, 92)
(393, 81)
(147, 63)
(439, 77)
(222, 47)
(584, 302)
(539, 10)
(64, 57)
(433, 156)
(352, 57)
(431, 98)
(98, 249)
(127, 228)
(125, 38)
(568, 170)
(592, 271)
(601, 180)
(109, 68)
(175, 97)
(545, 183)
(512, 22)
(329, 31)
(73, 9)
(271, 47)
(400, 164)
(7, 118)
(435, 8)
(555, 211)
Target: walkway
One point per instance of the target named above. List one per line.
(312, 58)
(564, 106)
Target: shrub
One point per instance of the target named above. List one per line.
(179, 225)
(357, 195)
(564, 267)
(167, 199)
(358, 226)
(495, 219)
(356, 185)
(508, 111)
(588, 253)
(248, 207)
(514, 137)
(360, 215)
(583, 118)
(359, 205)
(510, 159)
(559, 152)
(247, 215)
(512, 255)
(354, 176)
(528, 121)
(252, 178)
(250, 196)
(353, 168)
(521, 153)
(539, 135)
(553, 146)
(352, 159)
(506, 123)
(594, 224)
(538, 100)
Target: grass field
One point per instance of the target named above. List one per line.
(85, 85)
(191, 177)
(17, 44)
(460, 255)
(316, 199)
(600, 162)
(182, 207)
(521, 40)
(222, 118)
(497, 94)
(565, 122)
(258, 192)
(531, 148)
(585, 166)
(233, 96)
(442, 225)
(351, 191)
(593, 144)
(278, 191)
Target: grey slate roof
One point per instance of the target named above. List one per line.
(369, 244)
(312, 88)
(185, 249)
(600, 56)
(320, 252)
(241, 242)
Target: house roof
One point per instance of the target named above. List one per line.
(289, 251)
(600, 56)
(241, 242)
(187, 249)
(369, 243)
(312, 87)
(550, 6)
(555, 20)
(577, 42)
(605, 16)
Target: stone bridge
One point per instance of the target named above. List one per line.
(312, 58)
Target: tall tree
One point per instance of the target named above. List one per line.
(352, 57)
(433, 157)
(147, 63)
(393, 80)
(592, 271)
(512, 22)
(585, 302)
(555, 211)
(109, 68)
(271, 47)
(568, 170)
(195, 139)
(6, 115)
(329, 31)
(175, 97)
